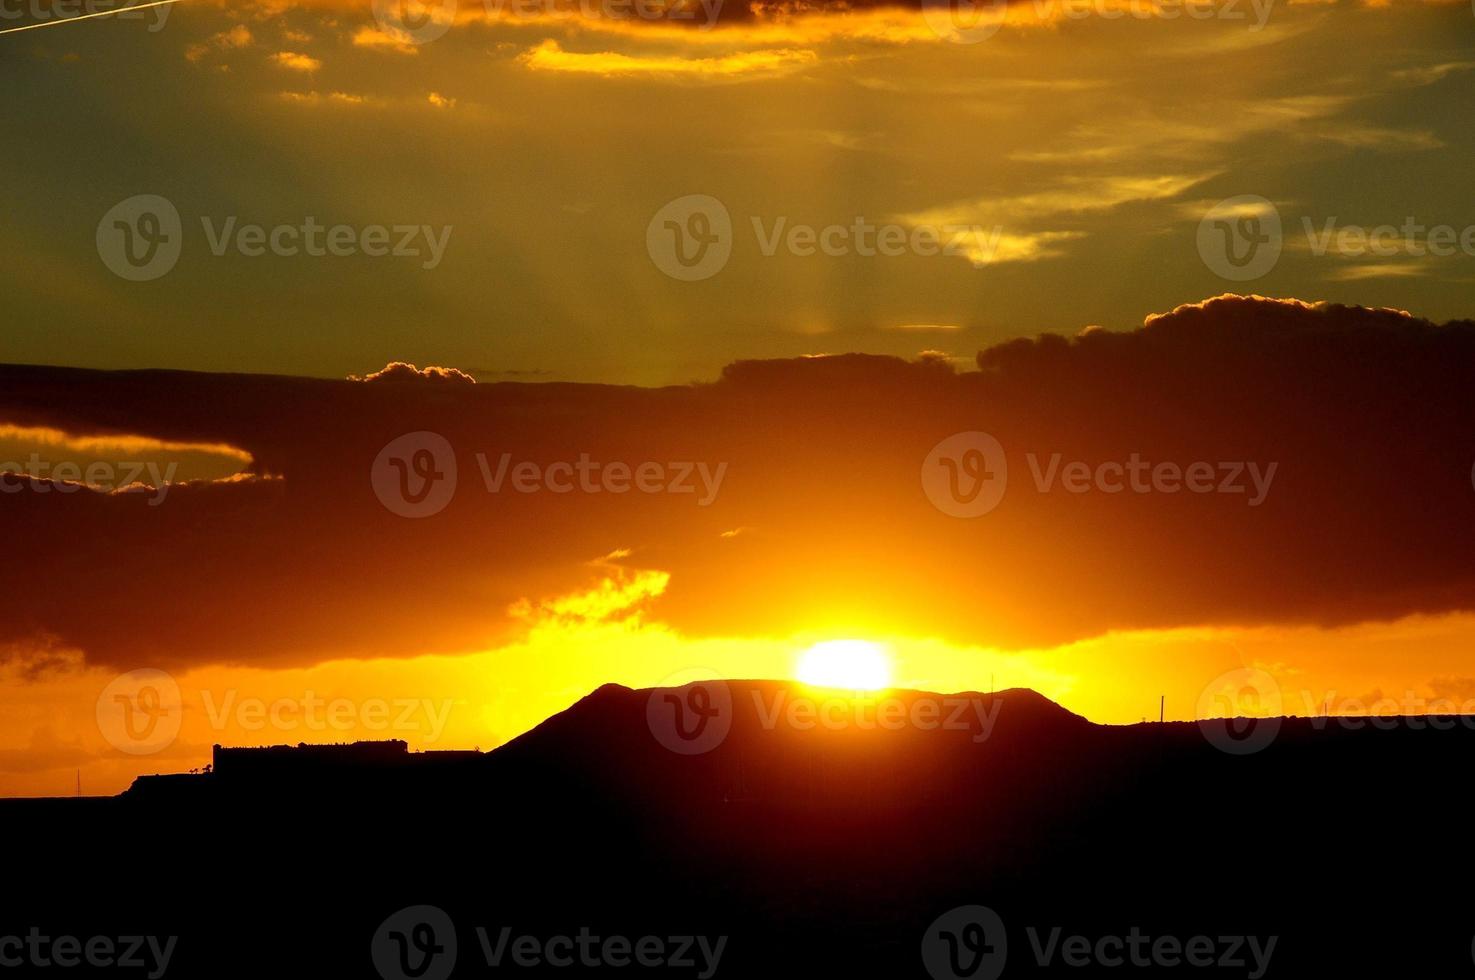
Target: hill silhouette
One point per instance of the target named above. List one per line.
(813, 830)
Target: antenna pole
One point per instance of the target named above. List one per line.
(1162, 701)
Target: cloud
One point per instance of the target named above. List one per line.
(1364, 413)
(1200, 130)
(316, 98)
(131, 445)
(989, 247)
(293, 61)
(1073, 195)
(550, 56)
(238, 36)
(41, 658)
(990, 230)
(1378, 270)
(1429, 74)
(400, 372)
(374, 37)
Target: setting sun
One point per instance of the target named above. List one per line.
(851, 665)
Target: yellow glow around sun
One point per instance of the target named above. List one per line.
(850, 665)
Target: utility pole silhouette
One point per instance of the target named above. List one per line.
(79, 784)
(1161, 701)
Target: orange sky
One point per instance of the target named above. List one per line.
(480, 699)
(312, 596)
(234, 533)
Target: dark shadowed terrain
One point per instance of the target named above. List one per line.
(824, 848)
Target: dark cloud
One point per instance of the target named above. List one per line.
(39, 657)
(1366, 415)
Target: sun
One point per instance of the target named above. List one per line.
(848, 665)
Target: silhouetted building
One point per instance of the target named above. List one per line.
(276, 761)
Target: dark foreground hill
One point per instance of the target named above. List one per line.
(806, 833)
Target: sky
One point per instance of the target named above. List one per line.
(1086, 140)
(634, 228)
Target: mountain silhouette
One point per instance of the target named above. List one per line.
(815, 830)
